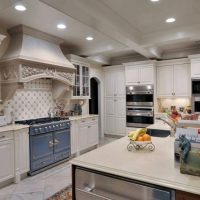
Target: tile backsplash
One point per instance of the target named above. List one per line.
(168, 102)
(33, 101)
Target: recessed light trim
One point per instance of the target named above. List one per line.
(89, 38)
(170, 20)
(154, 0)
(61, 26)
(20, 7)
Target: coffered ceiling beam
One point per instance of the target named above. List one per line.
(100, 17)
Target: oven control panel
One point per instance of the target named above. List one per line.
(49, 127)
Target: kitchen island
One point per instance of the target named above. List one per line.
(157, 167)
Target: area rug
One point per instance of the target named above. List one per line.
(64, 194)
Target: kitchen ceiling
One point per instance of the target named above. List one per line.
(119, 27)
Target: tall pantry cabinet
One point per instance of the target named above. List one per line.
(115, 100)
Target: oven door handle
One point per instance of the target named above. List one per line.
(139, 92)
(140, 114)
(51, 144)
(56, 142)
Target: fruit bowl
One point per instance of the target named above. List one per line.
(139, 139)
(138, 145)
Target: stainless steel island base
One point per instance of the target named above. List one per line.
(95, 185)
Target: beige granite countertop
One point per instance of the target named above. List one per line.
(160, 125)
(13, 127)
(78, 117)
(157, 167)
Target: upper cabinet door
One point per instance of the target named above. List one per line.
(195, 69)
(146, 75)
(165, 81)
(120, 83)
(109, 84)
(182, 81)
(132, 75)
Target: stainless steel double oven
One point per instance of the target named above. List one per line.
(139, 106)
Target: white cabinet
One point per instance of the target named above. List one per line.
(114, 81)
(139, 73)
(74, 136)
(115, 101)
(81, 88)
(132, 75)
(195, 66)
(182, 80)
(173, 78)
(93, 134)
(21, 139)
(88, 134)
(83, 137)
(165, 81)
(115, 116)
(84, 133)
(6, 160)
(14, 154)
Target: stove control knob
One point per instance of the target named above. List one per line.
(36, 130)
(61, 125)
(53, 126)
(57, 125)
(46, 128)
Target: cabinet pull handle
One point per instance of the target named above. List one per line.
(93, 119)
(83, 121)
(89, 126)
(51, 144)
(3, 136)
(56, 142)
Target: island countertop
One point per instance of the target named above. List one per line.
(157, 167)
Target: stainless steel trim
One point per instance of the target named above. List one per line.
(196, 98)
(141, 107)
(140, 114)
(139, 88)
(139, 103)
(139, 92)
(91, 185)
(90, 195)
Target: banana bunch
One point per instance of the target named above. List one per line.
(133, 135)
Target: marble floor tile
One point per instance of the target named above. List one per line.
(29, 196)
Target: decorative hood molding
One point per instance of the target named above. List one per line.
(32, 54)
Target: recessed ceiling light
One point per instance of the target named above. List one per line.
(20, 7)
(154, 0)
(89, 38)
(170, 20)
(61, 26)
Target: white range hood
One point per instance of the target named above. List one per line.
(31, 55)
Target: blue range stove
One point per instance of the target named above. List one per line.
(49, 140)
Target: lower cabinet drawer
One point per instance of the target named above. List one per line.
(6, 135)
